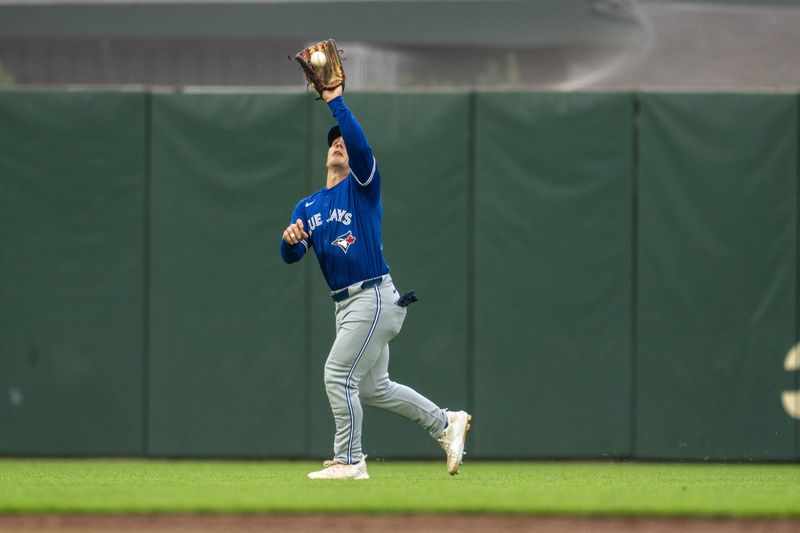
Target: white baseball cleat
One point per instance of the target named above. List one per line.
(336, 470)
(453, 439)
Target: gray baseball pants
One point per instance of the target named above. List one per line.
(357, 369)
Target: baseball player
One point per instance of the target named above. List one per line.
(342, 223)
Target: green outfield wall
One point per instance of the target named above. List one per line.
(601, 275)
(72, 271)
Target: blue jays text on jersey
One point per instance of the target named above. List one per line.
(344, 222)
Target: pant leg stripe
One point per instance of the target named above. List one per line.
(350, 375)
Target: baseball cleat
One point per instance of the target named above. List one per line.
(336, 470)
(453, 439)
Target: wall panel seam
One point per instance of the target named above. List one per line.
(634, 325)
(308, 358)
(146, 301)
(470, 262)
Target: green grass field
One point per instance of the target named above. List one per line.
(622, 489)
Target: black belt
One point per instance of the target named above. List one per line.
(347, 292)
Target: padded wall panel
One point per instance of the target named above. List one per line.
(717, 275)
(227, 357)
(71, 272)
(553, 275)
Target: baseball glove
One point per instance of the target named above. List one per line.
(329, 74)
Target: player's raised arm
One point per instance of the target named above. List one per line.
(362, 162)
(322, 66)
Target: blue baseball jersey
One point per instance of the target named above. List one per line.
(344, 222)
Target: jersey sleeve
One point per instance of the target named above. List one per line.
(292, 253)
(362, 162)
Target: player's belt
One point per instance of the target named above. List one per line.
(354, 289)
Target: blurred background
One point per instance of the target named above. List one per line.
(614, 271)
(395, 44)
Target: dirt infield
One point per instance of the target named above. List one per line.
(389, 524)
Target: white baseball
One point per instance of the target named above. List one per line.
(318, 59)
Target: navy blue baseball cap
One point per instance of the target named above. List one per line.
(333, 134)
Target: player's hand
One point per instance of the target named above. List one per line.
(333, 93)
(295, 233)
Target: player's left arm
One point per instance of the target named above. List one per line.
(295, 241)
(362, 161)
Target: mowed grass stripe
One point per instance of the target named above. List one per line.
(613, 489)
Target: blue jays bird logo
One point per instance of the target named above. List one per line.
(344, 241)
